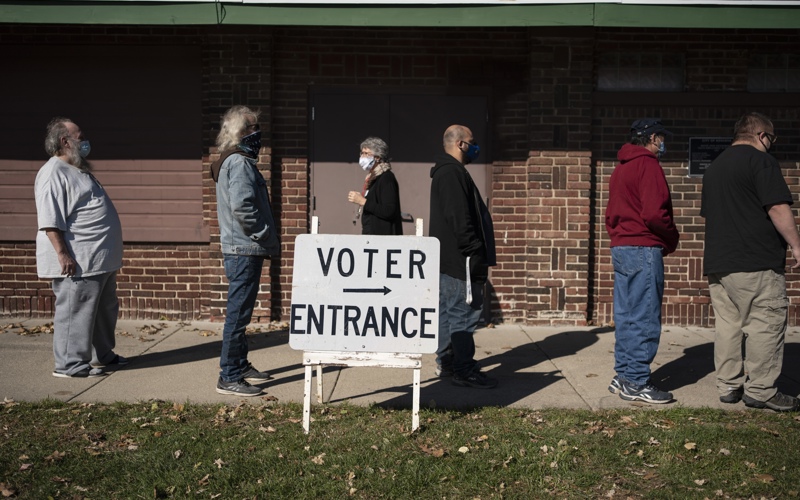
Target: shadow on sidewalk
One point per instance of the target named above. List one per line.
(698, 361)
(211, 350)
(511, 367)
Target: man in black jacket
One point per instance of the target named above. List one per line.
(461, 223)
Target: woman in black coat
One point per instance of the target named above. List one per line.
(379, 200)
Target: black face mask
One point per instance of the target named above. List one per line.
(251, 144)
(769, 137)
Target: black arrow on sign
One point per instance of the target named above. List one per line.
(383, 290)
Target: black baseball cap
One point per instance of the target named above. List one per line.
(648, 127)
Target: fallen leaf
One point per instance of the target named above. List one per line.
(204, 480)
(700, 482)
(219, 463)
(177, 454)
(724, 451)
(463, 449)
(765, 478)
(690, 446)
(319, 459)
(7, 491)
(434, 452)
(57, 455)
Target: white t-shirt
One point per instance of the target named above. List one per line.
(73, 201)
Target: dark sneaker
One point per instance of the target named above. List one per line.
(733, 396)
(778, 402)
(443, 371)
(476, 380)
(254, 376)
(85, 373)
(117, 361)
(240, 388)
(647, 393)
(615, 386)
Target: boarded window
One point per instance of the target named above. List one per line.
(140, 108)
(774, 73)
(646, 72)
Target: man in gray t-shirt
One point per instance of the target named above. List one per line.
(79, 247)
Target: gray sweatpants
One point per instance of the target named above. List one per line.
(84, 322)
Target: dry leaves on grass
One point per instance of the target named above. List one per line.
(7, 491)
(55, 456)
(432, 451)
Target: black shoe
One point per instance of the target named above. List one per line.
(117, 361)
(85, 373)
(778, 402)
(254, 376)
(443, 371)
(615, 386)
(476, 380)
(647, 393)
(733, 396)
(240, 388)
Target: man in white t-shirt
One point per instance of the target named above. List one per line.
(79, 247)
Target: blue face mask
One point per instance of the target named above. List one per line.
(662, 148)
(251, 144)
(472, 153)
(84, 148)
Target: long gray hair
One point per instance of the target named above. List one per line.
(56, 130)
(233, 125)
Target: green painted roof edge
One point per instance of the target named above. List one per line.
(205, 13)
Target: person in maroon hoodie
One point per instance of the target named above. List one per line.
(640, 224)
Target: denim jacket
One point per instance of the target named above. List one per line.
(246, 224)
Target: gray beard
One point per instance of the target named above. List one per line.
(74, 158)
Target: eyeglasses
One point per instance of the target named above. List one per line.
(253, 126)
(772, 137)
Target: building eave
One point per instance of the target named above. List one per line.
(664, 14)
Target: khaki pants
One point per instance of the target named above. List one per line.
(751, 317)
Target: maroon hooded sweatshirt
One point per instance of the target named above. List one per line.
(639, 210)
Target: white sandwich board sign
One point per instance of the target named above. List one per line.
(357, 293)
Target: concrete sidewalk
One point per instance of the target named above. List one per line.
(538, 367)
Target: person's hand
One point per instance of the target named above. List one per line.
(796, 260)
(355, 197)
(68, 264)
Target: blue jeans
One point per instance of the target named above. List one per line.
(244, 274)
(638, 291)
(457, 323)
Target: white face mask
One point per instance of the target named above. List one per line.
(367, 162)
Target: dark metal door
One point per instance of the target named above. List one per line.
(411, 124)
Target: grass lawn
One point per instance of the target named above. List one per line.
(159, 449)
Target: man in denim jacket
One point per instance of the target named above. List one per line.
(248, 235)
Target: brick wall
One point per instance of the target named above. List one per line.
(548, 203)
(542, 215)
(686, 298)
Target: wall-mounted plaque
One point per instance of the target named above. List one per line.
(704, 150)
